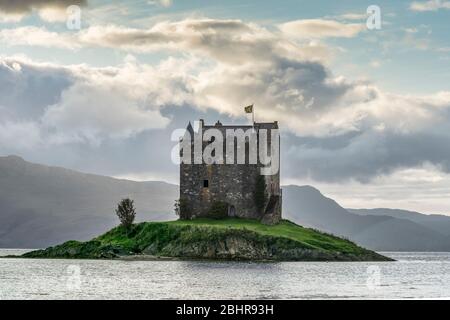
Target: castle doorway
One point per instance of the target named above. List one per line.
(231, 211)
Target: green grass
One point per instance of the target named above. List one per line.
(145, 233)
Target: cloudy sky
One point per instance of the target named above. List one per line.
(365, 113)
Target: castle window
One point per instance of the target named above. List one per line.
(205, 183)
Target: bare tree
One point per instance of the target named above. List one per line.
(126, 212)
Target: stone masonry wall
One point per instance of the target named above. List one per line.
(233, 184)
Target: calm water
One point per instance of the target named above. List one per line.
(415, 275)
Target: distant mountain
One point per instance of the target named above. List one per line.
(41, 206)
(307, 206)
(436, 222)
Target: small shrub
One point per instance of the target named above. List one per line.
(219, 210)
(182, 209)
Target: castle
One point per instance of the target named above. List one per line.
(230, 179)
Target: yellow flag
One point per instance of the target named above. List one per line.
(249, 109)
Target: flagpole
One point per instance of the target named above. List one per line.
(253, 114)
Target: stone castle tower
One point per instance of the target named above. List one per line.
(234, 186)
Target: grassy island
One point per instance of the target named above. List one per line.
(227, 239)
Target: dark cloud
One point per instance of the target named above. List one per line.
(26, 6)
(26, 90)
(284, 79)
(363, 156)
(228, 41)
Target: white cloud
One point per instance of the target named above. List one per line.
(375, 63)
(227, 41)
(340, 128)
(37, 36)
(7, 18)
(17, 136)
(283, 78)
(95, 111)
(411, 30)
(53, 14)
(431, 5)
(320, 28)
(353, 16)
(85, 104)
(164, 3)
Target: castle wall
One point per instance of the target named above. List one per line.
(233, 184)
